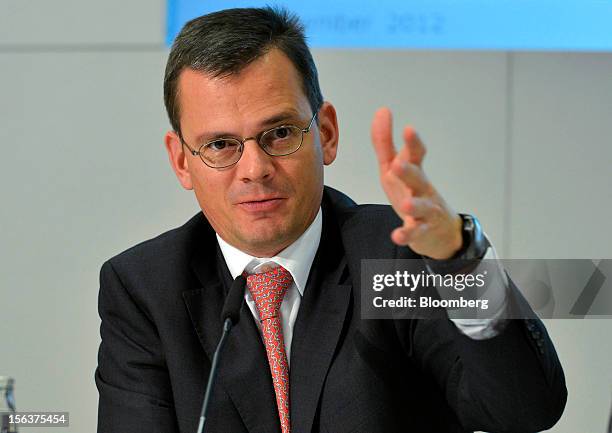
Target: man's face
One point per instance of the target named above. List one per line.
(262, 203)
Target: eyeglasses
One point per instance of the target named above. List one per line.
(279, 141)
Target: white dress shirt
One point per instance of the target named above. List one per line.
(297, 258)
(481, 329)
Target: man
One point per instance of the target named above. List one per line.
(250, 136)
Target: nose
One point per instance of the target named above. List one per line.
(254, 165)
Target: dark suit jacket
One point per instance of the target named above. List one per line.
(160, 304)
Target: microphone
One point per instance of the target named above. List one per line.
(610, 423)
(233, 302)
(230, 317)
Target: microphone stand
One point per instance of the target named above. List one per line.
(227, 326)
(230, 317)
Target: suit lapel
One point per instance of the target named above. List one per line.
(318, 327)
(243, 371)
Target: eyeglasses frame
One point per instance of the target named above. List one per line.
(257, 138)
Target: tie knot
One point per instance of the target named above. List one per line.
(268, 289)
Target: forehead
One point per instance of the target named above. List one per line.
(267, 86)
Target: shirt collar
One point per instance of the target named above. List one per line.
(297, 258)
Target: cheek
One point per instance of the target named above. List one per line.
(210, 194)
(316, 167)
(309, 175)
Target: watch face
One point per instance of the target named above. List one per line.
(468, 223)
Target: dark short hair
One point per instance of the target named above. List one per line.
(223, 43)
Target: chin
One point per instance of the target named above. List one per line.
(269, 241)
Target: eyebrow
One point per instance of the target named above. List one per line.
(265, 124)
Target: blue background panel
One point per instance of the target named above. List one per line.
(577, 25)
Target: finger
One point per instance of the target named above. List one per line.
(419, 208)
(382, 137)
(408, 233)
(413, 150)
(410, 174)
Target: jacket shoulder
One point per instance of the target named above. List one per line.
(164, 251)
(367, 218)
(365, 228)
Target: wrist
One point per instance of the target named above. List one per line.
(458, 242)
(455, 242)
(473, 247)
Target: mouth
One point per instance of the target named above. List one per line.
(261, 204)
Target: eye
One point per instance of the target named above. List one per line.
(221, 145)
(281, 136)
(281, 132)
(282, 140)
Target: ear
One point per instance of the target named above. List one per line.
(328, 132)
(178, 159)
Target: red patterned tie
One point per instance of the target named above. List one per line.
(268, 290)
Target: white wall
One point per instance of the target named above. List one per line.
(520, 139)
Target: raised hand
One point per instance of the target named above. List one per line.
(431, 228)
